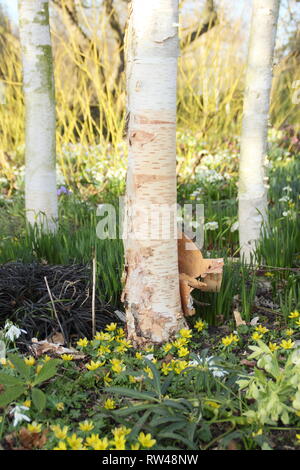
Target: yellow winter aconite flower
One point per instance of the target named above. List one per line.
(256, 336)
(92, 440)
(94, 365)
(67, 357)
(149, 372)
(46, 358)
(103, 349)
(101, 336)
(121, 348)
(75, 442)
(117, 365)
(30, 361)
(34, 427)
(294, 314)
(133, 379)
(268, 274)
(178, 343)
(185, 333)
(167, 347)
(38, 368)
(109, 404)
(289, 332)
(107, 380)
(120, 431)
(183, 352)
(179, 366)
(86, 425)
(261, 329)
(273, 346)
(298, 322)
(61, 446)
(287, 344)
(166, 368)
(199, 325)
(121, 332)
(101, 444)
(111, 327)
(212, 404)
(126, 342)
(146, 440)
(298, 438)
(257, 433)
(119, 443)
(82, 342)
(60, 406)
(135, 446)
(138, 355)
(59, 433)
(228, 340)
(27, 403)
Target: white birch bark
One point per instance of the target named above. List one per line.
(252, 179)
(38, 84)
(151, 292)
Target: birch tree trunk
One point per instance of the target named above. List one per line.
(252, 180)
(151, 293)
(38, 84)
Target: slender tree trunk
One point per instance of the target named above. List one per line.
(38, 83)
(151, 293)
(252, 180)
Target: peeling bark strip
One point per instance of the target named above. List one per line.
(252, 181)
(38, 84)
(151, 292)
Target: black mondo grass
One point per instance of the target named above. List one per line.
(24, 300)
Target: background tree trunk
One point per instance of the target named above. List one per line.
(38, 84)
(252, 181)
(151, 293)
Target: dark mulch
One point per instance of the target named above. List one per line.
(24, 299)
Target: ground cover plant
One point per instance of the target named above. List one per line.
(70, 379)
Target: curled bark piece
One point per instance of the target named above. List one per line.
(192, 265)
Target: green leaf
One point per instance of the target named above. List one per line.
(166, 384)
(10, 394)
(156, 376)
(127, 392)
(139, 424)
(20, 365)
(6, 379)
(177, 404)
(177, 437)
(130, 410)
(162, 420)
(47, 371)
(39, 399)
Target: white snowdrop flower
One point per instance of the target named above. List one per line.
(210, 364)
(18, 413)
(13, 332)
(286, 213)
(211, 226)
(254, 321)
(287, 188)
(284, 199)
(149, 356)
(234, 227)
